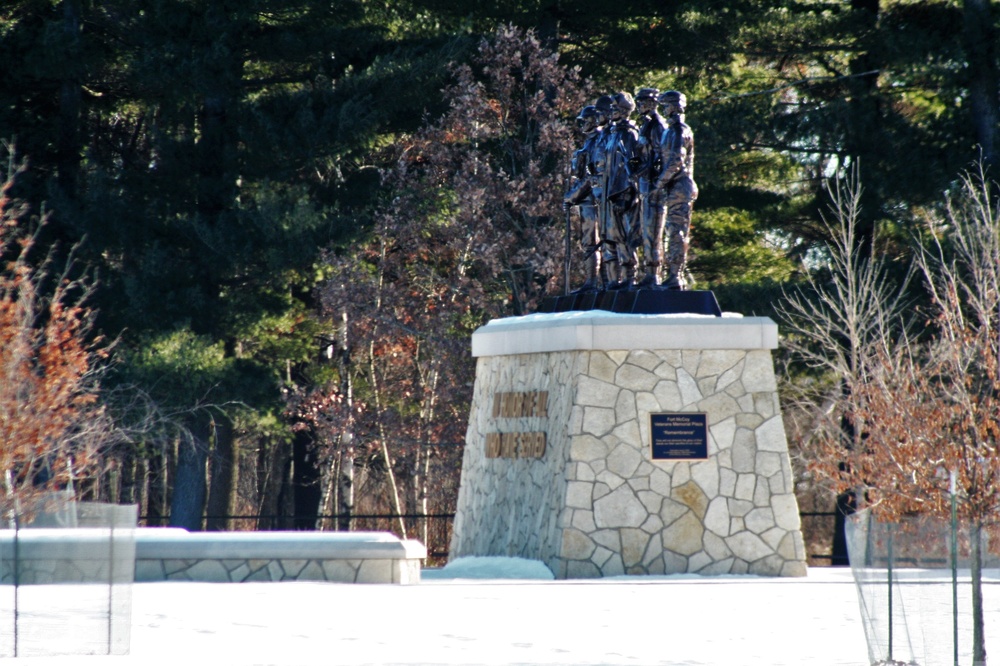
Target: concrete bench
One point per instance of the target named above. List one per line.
(163, 554)
(346, 557)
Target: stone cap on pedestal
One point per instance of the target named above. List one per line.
(594, 329)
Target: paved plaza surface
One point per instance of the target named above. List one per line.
(681, 620)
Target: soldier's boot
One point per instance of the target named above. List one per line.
(630, 275)
(609, 274)
(622, 281)
(593, 282)
(611, 271)
(651, 279)
(675, 277)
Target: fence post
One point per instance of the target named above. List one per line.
(954, 565)
(889, 571)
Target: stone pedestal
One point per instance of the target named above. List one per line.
(559, 464)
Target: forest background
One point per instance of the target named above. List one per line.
(271, 226)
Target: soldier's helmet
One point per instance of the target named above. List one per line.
(647, 93)
(673, 97)
(603, 105)
(587, 120)
(623, 101)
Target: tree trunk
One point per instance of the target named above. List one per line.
(188, 501)
(373, 377)
(420, 484)
(141, 484)
(286, 497)
(305, 480)
(384, 444)
(328, 495)
(273, 460)
(393, 488)
(422, 461)
(865, 122)
(978, 627)
(216, 159)
(984, 89)
(222, 489)
(129, 463)
(345, 478)
(70, 97)
(157, 497)
(845, 507)
(345, 491)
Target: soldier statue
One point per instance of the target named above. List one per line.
(675, 188)
(582, 194)
(646, 167)
(599, 184)
(620, 233)
(621, 113)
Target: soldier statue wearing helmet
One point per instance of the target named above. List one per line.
(646, 167)
(620, 231)
(582, 194)
(675, 189)
(599, 181)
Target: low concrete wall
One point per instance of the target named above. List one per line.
(236, 557)
(163, 554)
(67, 555)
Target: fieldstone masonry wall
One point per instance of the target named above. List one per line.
(596, 503)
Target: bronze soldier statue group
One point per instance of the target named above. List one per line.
(634, 188)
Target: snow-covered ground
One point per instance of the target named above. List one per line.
(503, 611)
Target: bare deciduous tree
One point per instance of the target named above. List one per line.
(847, 314)
(925, 403)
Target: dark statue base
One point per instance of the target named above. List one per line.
(639, 301)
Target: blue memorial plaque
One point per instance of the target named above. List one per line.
(681, 436)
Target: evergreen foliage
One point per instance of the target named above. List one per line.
(239, 174)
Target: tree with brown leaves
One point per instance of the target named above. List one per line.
(52, 424)
(472, 231)
(925, 404)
